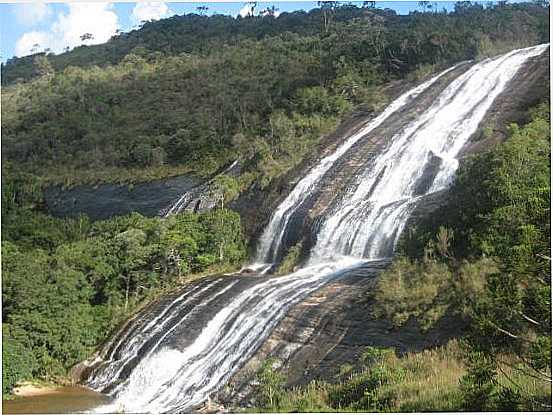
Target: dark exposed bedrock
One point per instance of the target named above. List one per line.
(107, 200)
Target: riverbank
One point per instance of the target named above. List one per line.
(27, 389)
(36, 398)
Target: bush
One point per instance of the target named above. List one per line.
(412, 289)
(271, 385)
(18, 362)
(479, 384)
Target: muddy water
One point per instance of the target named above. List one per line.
(63, 400)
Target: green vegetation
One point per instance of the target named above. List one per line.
(192, 93)
(427, 381)
(482, 258)
(66, 283)
(291, 260)
(427, 290)
(489, 264)
(18, 362)
(271, 384)
(216, 88)
(395, 38)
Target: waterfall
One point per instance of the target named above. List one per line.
(193, 199)
(369, 218)
(270, 241)
(167, 379)
(168, 359)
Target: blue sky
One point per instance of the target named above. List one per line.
(35, 26)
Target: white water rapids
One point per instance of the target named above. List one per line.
(368, 220)
(146, 369)
(270, 241)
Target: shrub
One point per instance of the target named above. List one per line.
(18, 362)
(413, 289)
(271, 384)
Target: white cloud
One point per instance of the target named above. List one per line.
(146, 11)
(247, 10)
(29, 14)
(31, 42)
(98, 20)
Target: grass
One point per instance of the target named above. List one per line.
(426, 381)
(431, 381)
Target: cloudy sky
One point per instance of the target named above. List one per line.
(31, 27)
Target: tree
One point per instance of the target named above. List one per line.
(428, 5)
(270, 11)
(133, 254)
(202, 10)
(43, 66)
(224, 188)
(327, 8)
(18, 362)
(86, 36)
(251, 5)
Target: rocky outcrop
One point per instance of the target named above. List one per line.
(107, 200)
(529, 87)
(330, 328)
(155, 198)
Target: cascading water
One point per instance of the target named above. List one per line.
(270, 241)
(164, 361)
(167, 379)
(191, 200)
(369, 218)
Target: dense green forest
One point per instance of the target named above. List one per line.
(191, 93)
(483, 257)
(66, 283)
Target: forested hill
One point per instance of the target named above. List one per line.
(398, 42)
(216, 88)
(195, 93)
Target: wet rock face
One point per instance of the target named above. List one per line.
(528, 88)
(330, 328)
(107, 200)
(201, 198)
(256, 204)
(156, 198)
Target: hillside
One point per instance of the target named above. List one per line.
(367, 223)
(170, 98)
(199, 34)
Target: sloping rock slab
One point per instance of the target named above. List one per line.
(330, 328)
(107, 200)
